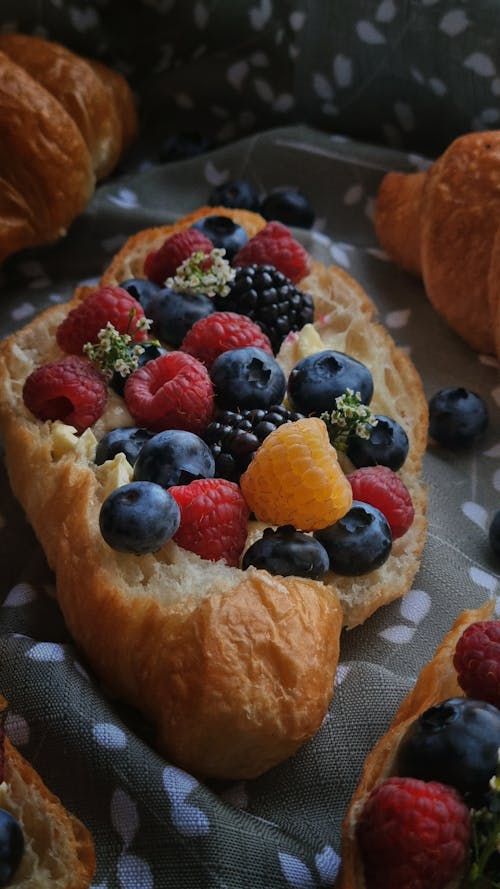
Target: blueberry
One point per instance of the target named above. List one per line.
(387, 445)
(142, 290)
(128, 441)
(149, 353)
(288, 206)
(457, 417)
(222, 232)
(139, 518)
(182, 146)
(456, 743)
(359, 542)
(174, 457)
(494, 534)
(317, 380)
(237, 194)
(247, 378)
(11, 846)
(173, 314)
(285, 551)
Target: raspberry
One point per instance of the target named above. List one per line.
(295, 479)
(214, 519)
(477, 661)
(274, 245)
(71, 390)
(382, 488)
(217, 333)
(163, 263)
(83, 323)
(413, 834)
(171, 392)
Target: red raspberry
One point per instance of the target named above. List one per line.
(171, 392)
(85, 321)
(71, 390)
(217, 333)
(163, 263)
(413, 835)
(214, 519)
(381, 487)
(274, 245)
(477, 661)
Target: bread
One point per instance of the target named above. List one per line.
(58, 849)
(442, 224)
(436, 682)
(234, 668)
(64, 123)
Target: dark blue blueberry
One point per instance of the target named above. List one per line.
(142, 290)
(317, 380)
(288, 206)
(173, 314)
(494, 534)
(359, 542)
(457, 417)
(182, 146)
(127, 440)
(455, 742)
(387, 445)
(247, 378)
(174, 457)
(150, 352)
(222, 232)
(11, 846)
(139, 518)
(285, 551)
(237, 194)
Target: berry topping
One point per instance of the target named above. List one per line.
(295, 479)
(141, 289)
(128, 441)
(223, 233)
(70, 390)
(171, 392)
(359, 542)
(387, 445)
(109, 304)
(318, 380)
(220, 332)
(270, 299)
(457, 417)
(413, 834)
(138, 518)
(494, 534)
(174, 457)
(477, 661)
(235, 194)
(275, 246)
(163, 263)
(173, 314)
(11, 847)
(143, 354)
(285, 551)
(214, 519)
(246, 378)
(288, 206)
(381, 487)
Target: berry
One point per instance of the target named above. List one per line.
(238, 194)
(246, 378)
(456, 742)
(413, 835)
(174, 457)
(317, 380)
(358, 542)
(220, 332)
(150, 352)
(173, 314)
(163, 263)
(477, 661)
(382, 488)
(387, 445)
(235, 436)
(182, 146)
(270, 299)
(141, 289)
(128, 441)
(288, 206)
(11, 846)
(274, 246)
(223, 233)
(457, 417)
(494, 534)
(285, 551)
(138, 518)
(214, 519)
(171, 392)
(109, 304)
(70, 390)
(295, 479)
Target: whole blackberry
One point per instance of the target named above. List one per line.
(234, 437)
(270, 299)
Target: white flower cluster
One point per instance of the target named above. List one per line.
(205, 273)
(112, 352)
(350, 411)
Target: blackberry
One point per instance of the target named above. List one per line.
(270, 299)
(234, 437)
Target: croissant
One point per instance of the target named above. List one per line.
(443, 224)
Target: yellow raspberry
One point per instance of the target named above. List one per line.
(295, 478)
